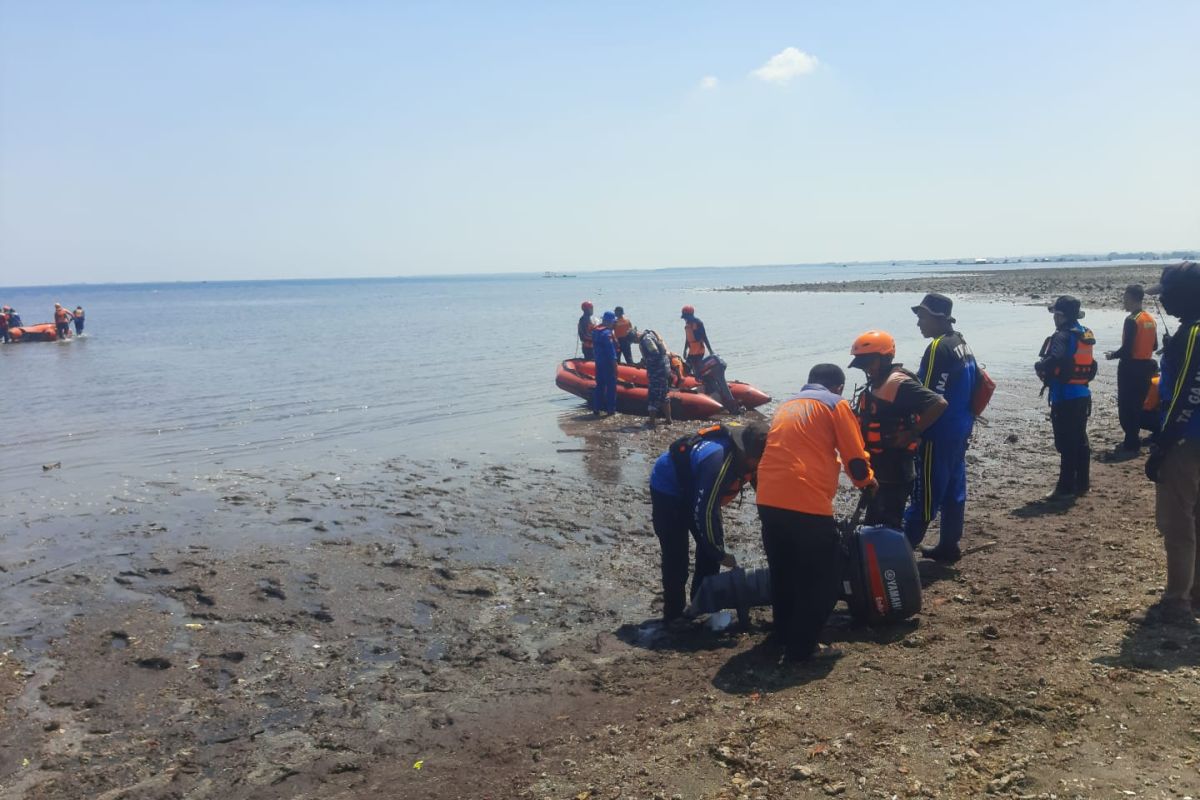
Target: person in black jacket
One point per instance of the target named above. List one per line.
(1135, 368)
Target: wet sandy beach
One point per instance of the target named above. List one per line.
(460, 628)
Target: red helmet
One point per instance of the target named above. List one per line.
(688, 311)
(586, 305)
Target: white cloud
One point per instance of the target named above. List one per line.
(709, 82)
(785, 65)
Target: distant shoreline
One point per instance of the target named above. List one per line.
(1096, 287)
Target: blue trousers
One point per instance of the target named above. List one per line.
(605, 396)
(940, 488)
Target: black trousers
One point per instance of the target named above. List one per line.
(1069, 421)
(672, 518)
(1133, 383)
(626, 346)
(804, 553)
(887, 506)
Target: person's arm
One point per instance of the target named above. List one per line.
(704, 338)
(710, 472)
(849, 442)
(926, 404)
(1127, 333)
(1055, 354)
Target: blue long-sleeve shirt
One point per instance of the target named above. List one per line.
(604, 349)
(948, 368)
(712, 478)
(1179, 386)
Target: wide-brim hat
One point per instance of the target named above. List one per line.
(1067, 305)
(937, 305)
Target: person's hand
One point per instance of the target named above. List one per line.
(871, 486)
(904, 438)
(1110, 355)
(1154, 462)
(729, 561)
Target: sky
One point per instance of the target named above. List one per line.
(201, 139)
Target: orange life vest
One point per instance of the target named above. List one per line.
(1083, 365)
(1145, 337)
(695, 347)
(738, 476)
(622, 327)
(880, 421)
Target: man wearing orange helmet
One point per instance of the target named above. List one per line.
(894, 410)
(587, 324)
(697, 339)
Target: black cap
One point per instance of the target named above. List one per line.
(1184, 276)
(936, 304)
(1067, 305)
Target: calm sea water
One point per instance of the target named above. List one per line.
(188, 379)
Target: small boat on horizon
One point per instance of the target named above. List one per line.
(556, 275)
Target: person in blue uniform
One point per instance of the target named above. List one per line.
(604, 351)
(1174, 462)
(689, 484)
(77, 318)
(948, 368)
(1066, 366)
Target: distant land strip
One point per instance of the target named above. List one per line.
(1096, 287)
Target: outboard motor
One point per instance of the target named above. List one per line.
(737, 588)
(880, 582)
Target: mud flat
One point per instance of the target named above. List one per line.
(464, 629)
(1097, 287)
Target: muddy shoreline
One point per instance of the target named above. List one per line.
(1097, 287)
(471, 630)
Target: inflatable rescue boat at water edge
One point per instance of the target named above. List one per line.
(688, 400)
(42, 332)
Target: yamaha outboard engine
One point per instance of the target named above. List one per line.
(880, 581)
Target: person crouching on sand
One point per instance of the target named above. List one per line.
(690, 483)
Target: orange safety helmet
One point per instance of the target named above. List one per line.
(586, 305)
(687, 311)
(872, 343)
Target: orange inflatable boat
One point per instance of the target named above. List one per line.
(42, 332)
(688, 401)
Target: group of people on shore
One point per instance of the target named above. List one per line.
(903, 440)
(1161, 397)
(607, 340)
(63, 319)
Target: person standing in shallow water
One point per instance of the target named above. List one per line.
(1135, 368)
(584, 328)
(947, 367)
(1066, 366)
(624, 334)
(604, 351)
(697, 340)
(62, 321)
(77, 316)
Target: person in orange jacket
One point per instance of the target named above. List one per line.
(812, 435)
(624, 334)
(587, 323)
(62, 321)
(697, 340)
